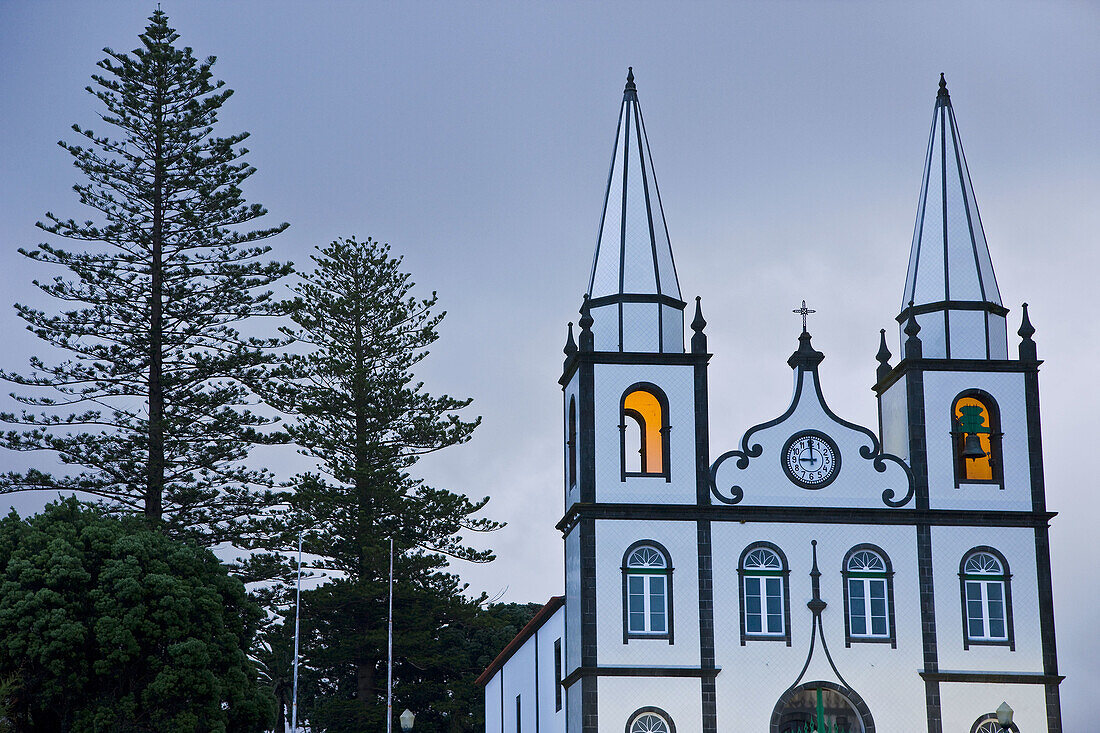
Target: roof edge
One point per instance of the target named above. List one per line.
(541, 616)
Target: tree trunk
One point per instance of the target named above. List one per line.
(154, 488)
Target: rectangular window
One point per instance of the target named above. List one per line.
(985, 610)
(763, 605)
(753, 616)
(657, 604)
(775, 605)
(519, 716)
(636, 603)
(557, 675)
(858, 604)
(867, 613)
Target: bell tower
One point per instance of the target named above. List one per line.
(965, 417)
(635, 417)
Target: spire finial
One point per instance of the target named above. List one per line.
(883, 356)
(588, 341)
(913, 348)
(942, 93)
(1027, 345)
(816, 605)
(570, 344)
(699, 340)
(630, 80)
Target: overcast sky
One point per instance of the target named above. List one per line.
(787, 139)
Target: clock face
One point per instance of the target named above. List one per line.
(811, 459)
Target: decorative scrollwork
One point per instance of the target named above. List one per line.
(736, 493)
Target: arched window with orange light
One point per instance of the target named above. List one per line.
(644, 431)
(976, 438)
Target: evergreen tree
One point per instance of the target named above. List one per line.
(156, 369)
(366, 421)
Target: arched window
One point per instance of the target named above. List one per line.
(650, 720)
(986, 598)
(988, 724)
(644, 429)
(647, 592)
(571, 443)
(976, 438)
(765, 594)
(868, 596)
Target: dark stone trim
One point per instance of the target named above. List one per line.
(595, 671)
(786, 575)
(650, 709)
(928, 627)
(706, 626)
(589, 699)
(660, 299)
(536, 682)
(953, 305)
(647, 358)
(1006, 579)
(995, 678)
(586, 397)
(954, 365)
(857, 702)
(804, 515)
(995, 435)
(892, 637)
(668, 570)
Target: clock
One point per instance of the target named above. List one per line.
(811, 459)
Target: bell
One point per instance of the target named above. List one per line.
(972, 447)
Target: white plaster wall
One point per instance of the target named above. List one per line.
(572, 601)
(765, 483)
(550, 720)
(680, 697)
(678, 384)
(963, 703)
(493, 721)
(756, 674)
(895, 420)
(1017, 544)
(679, 538)
(940, 390)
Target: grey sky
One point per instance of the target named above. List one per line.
(787, 139)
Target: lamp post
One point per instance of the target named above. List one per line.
(1004, 716)
(407, 719)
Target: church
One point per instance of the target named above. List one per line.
(819, 575)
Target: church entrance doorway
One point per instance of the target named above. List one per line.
(821, 707)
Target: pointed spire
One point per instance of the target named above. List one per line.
(699, 340)
(633, 286)
(883, 356)
(950, 276)
(587, 340)
(1028, 351)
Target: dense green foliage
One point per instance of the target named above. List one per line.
(155, 368)
(365, 420)
(109, 625)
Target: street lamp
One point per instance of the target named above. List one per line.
(407, 719)
(1004, 716)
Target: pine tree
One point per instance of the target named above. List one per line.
(157, 373)
(366, 421)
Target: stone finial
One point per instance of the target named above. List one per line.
(942, 93)
(913, 347)
(630, 87)
(1028, 351)
(883, 356)
(570, 344)
(588, 341)
(699, 340)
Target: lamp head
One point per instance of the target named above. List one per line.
(1004, 715)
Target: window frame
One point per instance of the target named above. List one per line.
(664, 430)
(887, 576)
(1005, 579)
(996, 454)
(650, 710)
(784, 574)
(666, 572)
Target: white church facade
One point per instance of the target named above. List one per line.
(820, 575)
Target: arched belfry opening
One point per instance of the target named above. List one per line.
(821, 707)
